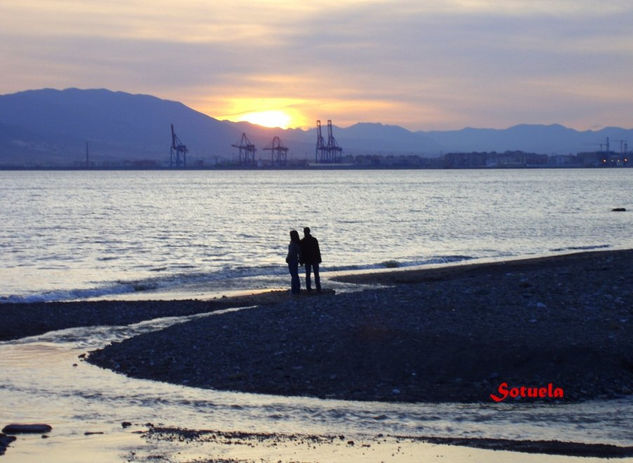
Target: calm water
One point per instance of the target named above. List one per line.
(69, 235)
(73, 235)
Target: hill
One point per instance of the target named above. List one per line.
(52, 127)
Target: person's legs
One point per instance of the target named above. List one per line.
(308, 284)
(317, 279)
(295, 284)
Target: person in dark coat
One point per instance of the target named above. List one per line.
(292, 259)
(311, 257)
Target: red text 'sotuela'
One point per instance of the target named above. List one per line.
(544, 392)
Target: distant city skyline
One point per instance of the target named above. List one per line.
(438, 66)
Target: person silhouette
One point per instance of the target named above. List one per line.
(311, 258)
(292, 259)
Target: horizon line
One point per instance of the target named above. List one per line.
(309, 128)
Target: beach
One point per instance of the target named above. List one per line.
(451, 334)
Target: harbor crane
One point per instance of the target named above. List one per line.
(279, 153)
(246, 150)
(320, 146)
(329, 152)
(335, 150)
(177, 151)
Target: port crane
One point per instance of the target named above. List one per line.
(279, 153)
(246, 150)
(177, 151)
(329, 152)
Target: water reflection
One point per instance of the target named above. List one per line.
(43, 379)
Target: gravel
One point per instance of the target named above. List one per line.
(453, 334)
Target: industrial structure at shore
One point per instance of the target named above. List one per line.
(102, 129)
(329, 154)
(325, 153)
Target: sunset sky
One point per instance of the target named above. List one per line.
(423, 65)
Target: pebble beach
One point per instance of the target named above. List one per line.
(451, 334)
(448, 334)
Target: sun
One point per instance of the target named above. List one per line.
(268, 118)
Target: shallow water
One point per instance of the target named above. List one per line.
(43, 380)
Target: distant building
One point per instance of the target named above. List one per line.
(564, 160)
(509, 159)
(591, 159)
(605, 159)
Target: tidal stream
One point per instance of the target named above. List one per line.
(44, 379)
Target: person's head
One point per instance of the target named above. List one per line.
(294, 235)
(306, 231)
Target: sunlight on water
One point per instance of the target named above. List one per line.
(43, 380)
(76, 235)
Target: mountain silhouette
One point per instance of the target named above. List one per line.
(53, 126)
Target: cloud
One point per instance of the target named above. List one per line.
(444, 64)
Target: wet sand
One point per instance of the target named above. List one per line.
(451, 334)
(277, 439)
(21, 320)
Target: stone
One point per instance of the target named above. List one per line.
(16, 428)
(4, 442)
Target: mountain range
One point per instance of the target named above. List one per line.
(52, 127)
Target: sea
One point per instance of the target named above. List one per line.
(81, 235)
(75, 235)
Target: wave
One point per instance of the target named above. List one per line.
(223, 278)
(581, 248)
(434, 260)
(68, 294)
(164, 282)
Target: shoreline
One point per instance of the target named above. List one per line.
(450, 334)
(24, 319)
(462, 329)
(403, 275)
(549, 447)
(32, 319)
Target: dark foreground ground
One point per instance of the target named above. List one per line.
(21, 320)
(453, 334)
(275, 439)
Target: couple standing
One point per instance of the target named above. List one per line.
(303, 252)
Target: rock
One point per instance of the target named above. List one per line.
(16, 428)
(126, 424)
(4, 442)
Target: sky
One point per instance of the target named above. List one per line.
(424, 65)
